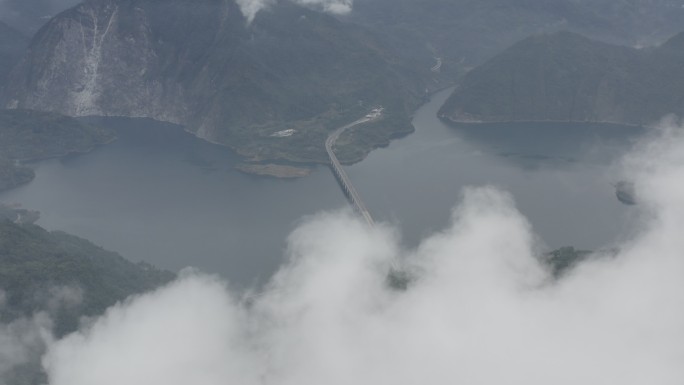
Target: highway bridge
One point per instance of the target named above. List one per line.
(341, 176)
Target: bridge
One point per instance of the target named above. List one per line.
(342, 178)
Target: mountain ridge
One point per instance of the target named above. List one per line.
(568, 77)
(465, 33)
(200, 65)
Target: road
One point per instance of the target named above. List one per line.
(341, 176)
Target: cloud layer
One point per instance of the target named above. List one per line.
(481, 308)
(250, 8)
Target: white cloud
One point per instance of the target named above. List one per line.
(338, 7)
(63, 297)
(481, 310)
(250, 8)
(193, 325)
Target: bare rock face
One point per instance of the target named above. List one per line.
(94, 60)
(200, 64)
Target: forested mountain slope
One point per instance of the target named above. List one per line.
(567, 77)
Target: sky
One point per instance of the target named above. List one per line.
(480, 308)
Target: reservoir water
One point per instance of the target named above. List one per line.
(161, 195)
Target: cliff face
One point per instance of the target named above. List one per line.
(198, 63)
(96, 59)
(566, 77)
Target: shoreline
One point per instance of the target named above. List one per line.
(70, 153)
(274, 170)
(452, 121)
(266, 166)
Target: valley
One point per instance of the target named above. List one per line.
(341, 191)
(158, 194)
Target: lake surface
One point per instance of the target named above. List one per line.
(160, 195)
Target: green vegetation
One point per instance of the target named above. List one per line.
(567, 77)
(65, 277)
(292, 68)
(197, 63)
(31, 135)
(36, 265)
(350, 147)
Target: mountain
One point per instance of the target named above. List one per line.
(465, 33)
(12, 46)
(64, 277)
(567, 77)
(35, 262)
(33, 135)
(200, 64)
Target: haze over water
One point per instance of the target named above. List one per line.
(160, 195)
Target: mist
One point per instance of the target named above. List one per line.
(481, 308)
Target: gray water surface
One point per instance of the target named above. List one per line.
(560, 175)
(163, 196)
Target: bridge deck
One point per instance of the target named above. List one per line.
(342, 178)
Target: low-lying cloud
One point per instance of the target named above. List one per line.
(22, 343)
(250, 8)
(481, 308)
(337, 7)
